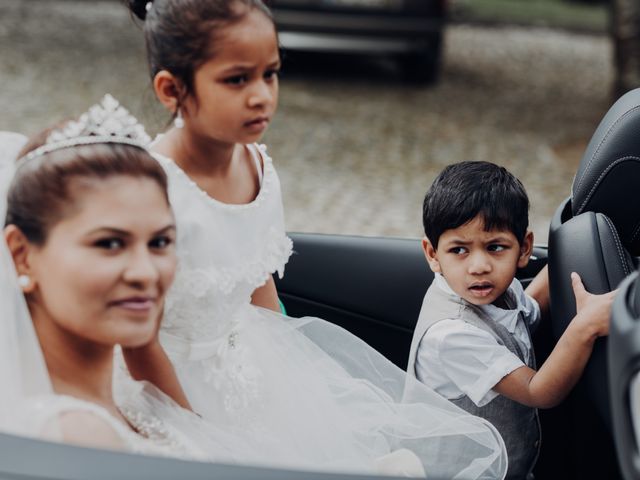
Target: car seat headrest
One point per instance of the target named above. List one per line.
(608, 178)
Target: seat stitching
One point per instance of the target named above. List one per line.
(618, 245)
(602, 175)
(601, 142)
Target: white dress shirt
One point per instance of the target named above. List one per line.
(456, 358)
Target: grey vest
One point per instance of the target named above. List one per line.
(517, 423)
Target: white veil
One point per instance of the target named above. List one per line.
(23, 373)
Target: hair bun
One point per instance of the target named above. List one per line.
(138, 8)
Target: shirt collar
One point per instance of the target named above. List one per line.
(507, 318)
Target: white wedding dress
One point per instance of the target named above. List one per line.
(302, 393)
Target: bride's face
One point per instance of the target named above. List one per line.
(103, 272)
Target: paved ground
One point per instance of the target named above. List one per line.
(356, 148)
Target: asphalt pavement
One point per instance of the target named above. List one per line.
(355, 145)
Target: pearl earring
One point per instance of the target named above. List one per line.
(24, 281)
(178, 122)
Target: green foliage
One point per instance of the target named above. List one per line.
(552, 13)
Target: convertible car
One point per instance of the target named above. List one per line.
(374, 288)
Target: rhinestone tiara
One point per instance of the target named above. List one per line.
(106, 122)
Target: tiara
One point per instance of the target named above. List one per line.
(106, 122)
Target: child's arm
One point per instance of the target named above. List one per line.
(150, 362)
(538, 289)
(550, 385)
(267, 296)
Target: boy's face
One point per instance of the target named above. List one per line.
(478, 265)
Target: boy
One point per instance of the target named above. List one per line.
(472, 342)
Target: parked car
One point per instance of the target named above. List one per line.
(411, 31)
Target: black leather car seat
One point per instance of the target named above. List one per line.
(597, 230)
(588, 244)
(595, 233)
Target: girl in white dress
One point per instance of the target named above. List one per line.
(88, 242)
(310, 393)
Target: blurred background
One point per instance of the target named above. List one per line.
(377, 96)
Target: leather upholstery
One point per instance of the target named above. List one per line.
(589, 245)
(607, 178)
(595, 233)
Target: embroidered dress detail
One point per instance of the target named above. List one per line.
(151, 428)
(201, 282)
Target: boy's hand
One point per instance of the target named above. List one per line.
(592, 310)
(550, 385)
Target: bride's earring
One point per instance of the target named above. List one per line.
(24, 281)
(178, 122)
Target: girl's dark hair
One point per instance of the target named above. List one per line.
(181, 34)
(42, 193)
(467, 189)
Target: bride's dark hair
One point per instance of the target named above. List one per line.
(181, 35)
(43, 189)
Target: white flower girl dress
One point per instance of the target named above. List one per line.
(303, 392)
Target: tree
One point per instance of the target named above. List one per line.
(625, 29)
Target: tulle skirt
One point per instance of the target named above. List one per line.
(307, 394)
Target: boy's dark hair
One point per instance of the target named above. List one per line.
(467, 189)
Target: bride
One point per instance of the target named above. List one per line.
(86, 259)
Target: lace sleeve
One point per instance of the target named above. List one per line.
(62, 418)
(87, 428)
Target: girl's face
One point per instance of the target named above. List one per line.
(236, 91)
(103, 271)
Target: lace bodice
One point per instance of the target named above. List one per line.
(225, 252)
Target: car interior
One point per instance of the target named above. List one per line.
(374, 288)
